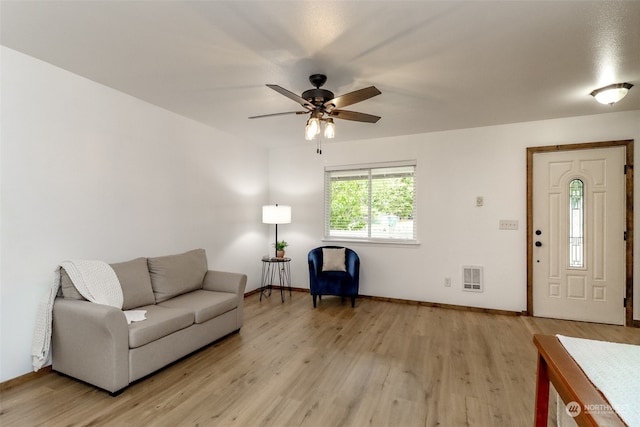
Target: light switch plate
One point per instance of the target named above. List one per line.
(508, 224)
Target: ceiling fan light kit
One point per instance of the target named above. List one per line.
(321, 102)
(329, 129)
(312, 129)
(313, 126)
(612, 93)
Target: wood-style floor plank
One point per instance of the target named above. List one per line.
(378, 364)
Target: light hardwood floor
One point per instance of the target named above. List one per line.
(380, 364)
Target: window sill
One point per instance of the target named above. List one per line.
(383, 242)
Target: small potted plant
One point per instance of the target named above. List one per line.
(280, 245)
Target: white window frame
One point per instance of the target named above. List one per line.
(367, 168)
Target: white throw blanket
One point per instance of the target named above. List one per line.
(614, 369)
(95, 280)
(42, 330)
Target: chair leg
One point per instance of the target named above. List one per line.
(314, 301)
(353, 301)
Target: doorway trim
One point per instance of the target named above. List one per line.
(628, 144)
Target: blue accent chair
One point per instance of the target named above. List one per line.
(340, 283)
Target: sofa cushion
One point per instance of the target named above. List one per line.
(174, 275)
(69, 290)
(205, 304)
(135, 283)
(160, 322)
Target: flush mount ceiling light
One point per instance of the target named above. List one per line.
(612, 93)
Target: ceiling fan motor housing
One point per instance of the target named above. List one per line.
(317, 96)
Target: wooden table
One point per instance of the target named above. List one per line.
(557, 367)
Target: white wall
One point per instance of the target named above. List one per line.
(453, 168)
(89, 172)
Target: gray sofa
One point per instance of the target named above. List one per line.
(188, 307)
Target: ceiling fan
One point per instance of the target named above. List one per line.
(321, 102)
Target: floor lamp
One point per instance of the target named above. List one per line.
(276, 214)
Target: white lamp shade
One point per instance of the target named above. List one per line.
(276, 214)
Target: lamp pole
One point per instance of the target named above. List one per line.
(275, 246)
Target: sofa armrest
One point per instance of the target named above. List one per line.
(90, 342)
(223, 281)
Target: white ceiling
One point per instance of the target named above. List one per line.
(440, 64)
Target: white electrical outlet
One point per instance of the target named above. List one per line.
(447, 282)
(508, 224)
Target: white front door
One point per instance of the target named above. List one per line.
(578, 225)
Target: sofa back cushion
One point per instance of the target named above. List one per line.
(135, 283)
(69, 290)
(174, 275)
(134, 280)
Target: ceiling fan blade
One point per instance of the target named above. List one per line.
(353, 115)
(279, 114)
(291, 95)
(353, 97)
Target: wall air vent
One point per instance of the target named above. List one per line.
(472, 279)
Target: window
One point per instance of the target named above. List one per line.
(375, 203)
(576, 224)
